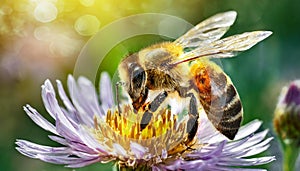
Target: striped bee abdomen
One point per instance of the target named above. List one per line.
(218, 97)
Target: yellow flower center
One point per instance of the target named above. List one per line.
(127, 124)
(163, 132)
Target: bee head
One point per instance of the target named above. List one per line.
(134, 76)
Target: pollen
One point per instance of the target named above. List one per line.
(163, 132)
(174, 49)
(127, 124)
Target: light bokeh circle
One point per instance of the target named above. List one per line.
(45, 12)
(87, 25)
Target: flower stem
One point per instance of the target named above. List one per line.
(291, 152)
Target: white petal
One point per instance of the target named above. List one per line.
(258, 148)
(248, 129)
(255, 139)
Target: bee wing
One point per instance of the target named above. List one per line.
(208, 30)
(224, 48)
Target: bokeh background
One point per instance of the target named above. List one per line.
(42, 39)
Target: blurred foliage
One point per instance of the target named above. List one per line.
(33, 49)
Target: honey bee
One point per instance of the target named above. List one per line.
(183, 68)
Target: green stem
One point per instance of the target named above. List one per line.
(291, 152)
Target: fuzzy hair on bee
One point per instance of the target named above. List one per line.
(172, 72)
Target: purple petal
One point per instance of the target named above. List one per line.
(91, 142)
(206, 155)
(207, 134)
(90, 96)
(82, 163)
(237, 143)
(86, 114)
(225, 155)
(26, 153)
(119, 150)
(48, 92)
(138, 150)
(55, 110)
(64, 97)
(256, 138)
(57, 155)
(59, 159)
(66, 132)
(85, 155)
(194, 164)
(79, 146)
(72, 118)
(164, 154)
(58, 140)
(71, 111)
(39, 120)
(221, 168)
(174, 165)
(106, 92)
(258, 148)
(293, 94)
(245, 162)
(155, 168)
(41, 149)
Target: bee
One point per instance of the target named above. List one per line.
(183, 68)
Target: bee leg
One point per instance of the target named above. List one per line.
(153, 106)
(192, 124)
(147, 116)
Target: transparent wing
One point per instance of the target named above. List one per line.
(224, 48)
(208, 30)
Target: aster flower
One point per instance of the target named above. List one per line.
(286, 123)
(93, 132)
(287, 113)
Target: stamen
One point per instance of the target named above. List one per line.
(96, 123)
(163, 133)
(127, 124)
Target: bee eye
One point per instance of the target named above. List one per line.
(138, 77)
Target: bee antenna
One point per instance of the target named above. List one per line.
(118, 84)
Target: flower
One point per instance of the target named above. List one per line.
(287, 113)
(286, 123)
(90, 132)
